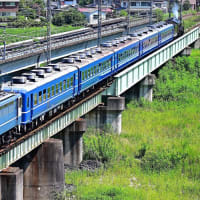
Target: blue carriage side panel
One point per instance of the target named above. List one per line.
(96, 71)
(10, 115)
(55, 96)
(166, 35)
(128, 55)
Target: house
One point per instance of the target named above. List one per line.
(92, 14)
(64, 3)
(9, 8)
(142, 7)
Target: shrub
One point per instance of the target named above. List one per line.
(99, 146)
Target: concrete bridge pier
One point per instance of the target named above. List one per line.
(196, 44)
(43, 171)
(146, 87)
(11, 184)
(72, 142)
(108, 115)
(186, 51)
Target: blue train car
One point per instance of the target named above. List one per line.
(45, 91)
(10, 111)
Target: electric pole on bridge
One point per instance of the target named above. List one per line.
(128, 19)
(48, 16)
(99, 23)
(150, 14)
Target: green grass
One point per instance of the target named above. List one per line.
(192, 21)
(157, 155)
(19, 34)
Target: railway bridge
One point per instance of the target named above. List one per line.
(33, 167)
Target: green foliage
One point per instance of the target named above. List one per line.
(99, 146)
(123, 13)
(186, 5)
(159, 15)
(179, 77)
(85, 2)
(192, 21)
(72, 16)
(31, 9)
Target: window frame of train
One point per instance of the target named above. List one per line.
(39, 97)
(44, 95)
(35, 102)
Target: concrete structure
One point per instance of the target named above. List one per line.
(142, 7)
(72, 142)
(11, 184)
(64, 3)
(9, 8)
(186, 51)
(92, 14)
(43, 171)
(146, 87)
(108, 115)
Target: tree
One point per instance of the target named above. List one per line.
(72, 16)
(159, 15)
(123, 13)
(186, 5)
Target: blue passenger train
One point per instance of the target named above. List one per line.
(44, 91)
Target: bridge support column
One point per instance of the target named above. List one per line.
(197, 44)
(146, 87)
(114, 108)
(108, 115)
(43, 171)
(73, 143)
(11, 184)
(186, 51)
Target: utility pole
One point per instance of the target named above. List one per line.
(99, 23)
(181, 7)
(170, 8)
(150, 15)
(48, 16)
(128, 18)
(4, 43)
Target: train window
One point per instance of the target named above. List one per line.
(88, 73)
(56, 88)
(35, 99)
(27, 103)
(40, 97)
(95, 70)
(49, 92)
(64, 85)
(83, 76)
(92, 71)
(53, 91)
(44, 95)
(68, 83)
(71, 80)
(60, 86)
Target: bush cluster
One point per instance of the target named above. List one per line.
(99, 146)
(71, 16)
(22, 22)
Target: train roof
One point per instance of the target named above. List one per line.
(105, 52)
(5, 95)
(39, 81)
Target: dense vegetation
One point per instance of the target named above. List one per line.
(157, 156)
(71, 16)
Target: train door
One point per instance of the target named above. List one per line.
(31, 108)
(19, 108)
(74, 84)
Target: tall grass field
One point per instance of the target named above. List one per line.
(157, 155)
